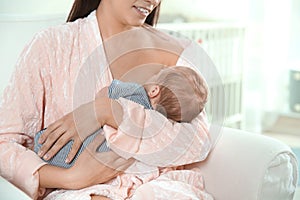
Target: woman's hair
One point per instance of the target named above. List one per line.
(183, 93)
(82, 8)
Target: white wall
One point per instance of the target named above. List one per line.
(35, 6)
(19, 21)
(277, 28)
(203, 9)
(295, 33)
(267, 62)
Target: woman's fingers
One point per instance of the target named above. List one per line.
(48, 131)
(63, 140)
(54, 137)
(75, 147)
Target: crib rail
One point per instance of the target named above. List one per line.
(224, 43)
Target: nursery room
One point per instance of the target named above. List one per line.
(252, 113)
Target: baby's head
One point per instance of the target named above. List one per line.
(178, 92)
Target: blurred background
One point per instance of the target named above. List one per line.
(254, 44)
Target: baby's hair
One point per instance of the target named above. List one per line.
(183, 94)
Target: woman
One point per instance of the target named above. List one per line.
(49, 89)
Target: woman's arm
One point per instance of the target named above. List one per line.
(53, 177)
(148, 136)
(91, 168)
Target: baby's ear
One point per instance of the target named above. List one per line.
(153, 91)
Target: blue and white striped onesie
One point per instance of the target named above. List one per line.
(131, 91)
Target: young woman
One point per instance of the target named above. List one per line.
(55, 84)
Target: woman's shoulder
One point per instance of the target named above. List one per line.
(162, 35)
(162, 40)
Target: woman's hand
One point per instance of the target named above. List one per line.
(93, 167)
(90, 168)
(75, 126)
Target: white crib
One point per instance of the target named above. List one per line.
(224, 43)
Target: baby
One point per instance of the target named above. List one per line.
(178, 92)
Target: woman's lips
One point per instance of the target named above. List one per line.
(143, 11)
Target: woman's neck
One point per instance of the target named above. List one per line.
(108, 24)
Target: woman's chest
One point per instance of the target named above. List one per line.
(140, 65)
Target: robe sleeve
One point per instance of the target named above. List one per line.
(21, 116)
